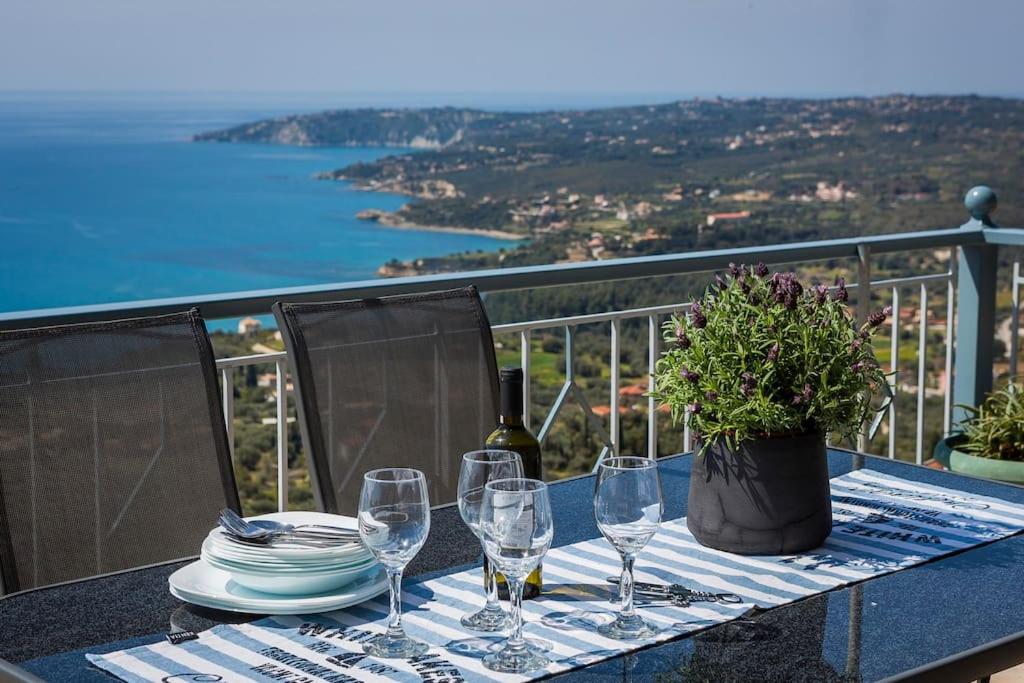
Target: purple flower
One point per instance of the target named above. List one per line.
(858, 366)
(734, 270)
(689, 375)
(773, 353)
(696, 407)
(697, 315)
(747, 383)
(878, 317)
(711, 396)
(841, 293)
(820, 294)
(804, 396)
(761, 269)
(720, 282)
(856, 344)
(682, 340)
(785, 289)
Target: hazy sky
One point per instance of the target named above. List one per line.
(680, 47)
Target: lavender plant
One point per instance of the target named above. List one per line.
(996, 429)
(761, 356)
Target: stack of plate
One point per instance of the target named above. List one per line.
(283, 578)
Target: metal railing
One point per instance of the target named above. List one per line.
(969, 284)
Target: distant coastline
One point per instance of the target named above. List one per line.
(493, 234)
(392, 220)
(641, 180)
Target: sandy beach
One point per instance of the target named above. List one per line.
(495, 234)
(389, 219)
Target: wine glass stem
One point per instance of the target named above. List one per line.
(492, 586)
(626, 584)
(515, 592)
(395, 616)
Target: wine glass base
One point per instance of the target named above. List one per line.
(391, 647)
(633, 628)
(538, 646)
(487, 620)
(517, 661)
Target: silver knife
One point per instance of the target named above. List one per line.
(676, 590)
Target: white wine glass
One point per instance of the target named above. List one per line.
(478, 468)
(516, 528)
(394, 520)
(628, 509)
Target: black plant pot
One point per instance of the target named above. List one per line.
(768, 497)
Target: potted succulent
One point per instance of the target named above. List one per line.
(766, 369)
(991, 444)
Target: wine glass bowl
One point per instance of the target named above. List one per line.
(517, 528)
(478, 468)
(394, 521)
(628, 508)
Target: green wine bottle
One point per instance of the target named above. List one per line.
(512, 435)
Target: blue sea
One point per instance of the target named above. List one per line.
(103, 198)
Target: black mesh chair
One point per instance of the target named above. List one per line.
(113, 451)
(11, 673)
(402, 381)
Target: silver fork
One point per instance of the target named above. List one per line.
(274, 526)
(238, 535)
(249, 531)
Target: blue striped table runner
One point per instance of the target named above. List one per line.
(882, 524)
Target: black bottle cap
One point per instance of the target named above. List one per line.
(511, 374)
(511, 392)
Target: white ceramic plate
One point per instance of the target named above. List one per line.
(201, 584)
(275, 564)
(296, 584)
(293, 583)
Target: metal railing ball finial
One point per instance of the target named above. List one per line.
(980, 202)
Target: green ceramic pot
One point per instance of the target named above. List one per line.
(947, 453)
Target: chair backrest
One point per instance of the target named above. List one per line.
(11, 673)
(113, 451)
(401, 381)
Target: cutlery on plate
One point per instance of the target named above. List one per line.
(679, 593)
(281, 527)
(256, 525)
(238, 528)
(290, 540)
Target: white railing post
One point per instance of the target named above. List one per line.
(228, 395)
(947, 401)
(282, 437)
(615, 361)
(863, 311)
(894, 359)
(921, 359)
(654, 336)
(524, 356)
(1014, 319)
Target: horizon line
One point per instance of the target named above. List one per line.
(511, 93)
